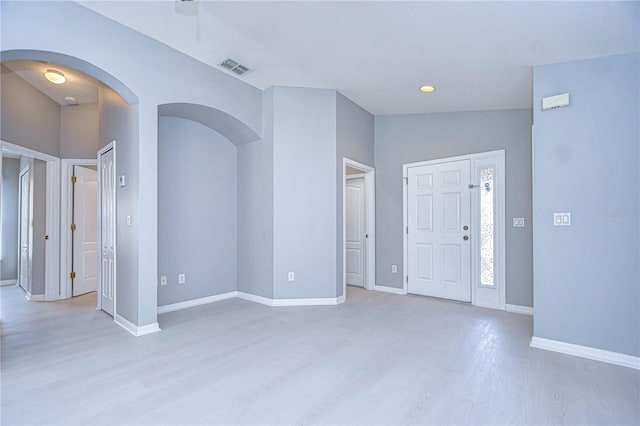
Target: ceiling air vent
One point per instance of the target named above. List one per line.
(234, 66)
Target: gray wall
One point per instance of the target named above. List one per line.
(144, 67)
(29, 118)
(10, 176)
(119, 121)
(255, 209)
(354, 140)
(587, 277)
(39, 176)
(304, 182)
(197, 220)
(410, 138)
(79, 131)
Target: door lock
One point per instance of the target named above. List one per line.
(466, 228)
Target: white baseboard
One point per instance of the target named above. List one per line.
(586, 352)
(34, 297)
(254, 298)
(341, 299)
(196, 302)
(392, 290)
(518, 309)
(137, 331)
(8, 282)
(314, 301)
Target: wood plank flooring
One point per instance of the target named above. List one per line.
(377, 359)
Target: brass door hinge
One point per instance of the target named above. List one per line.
(74, 179)
(73, 226)
(72, 275)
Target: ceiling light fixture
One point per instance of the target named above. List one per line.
(56, 77)
(427, 89)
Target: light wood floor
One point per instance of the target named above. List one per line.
(378, 359)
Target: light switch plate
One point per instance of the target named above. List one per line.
(394, 269)
(562, 219)
(518, 222)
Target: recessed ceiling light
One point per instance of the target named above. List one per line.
(427, 89)
(56, 77)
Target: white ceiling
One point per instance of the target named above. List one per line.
(478, 54)
(78, 85)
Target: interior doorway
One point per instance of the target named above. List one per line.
(358, 218)
(356, 228)
(44, 240)
(80, 227)
(454, 223)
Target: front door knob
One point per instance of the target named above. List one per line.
(466, 237)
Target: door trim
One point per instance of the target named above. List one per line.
(480, 296)
(66, 209)
(370, 226)
(107, 147)
(52, 217)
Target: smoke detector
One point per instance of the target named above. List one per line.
(234, 66)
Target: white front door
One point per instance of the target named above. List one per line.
(355, 231)
(107, 230)
(24, 269)
(85, 236)
(439, 250)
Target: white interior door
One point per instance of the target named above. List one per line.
(107, 231)
(24, 268)
(355, 231)
(439, 250)
(85, 236)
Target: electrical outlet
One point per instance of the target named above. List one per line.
(394, 269)
(163, 280)
(182, 278)
(291, 276)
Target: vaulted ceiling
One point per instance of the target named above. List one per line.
(478, 54)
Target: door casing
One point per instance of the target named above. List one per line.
(494, 297)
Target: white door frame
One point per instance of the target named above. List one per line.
(480, 295)
(107, 147)
(370, 225)
(52, 226)
(66, 200)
